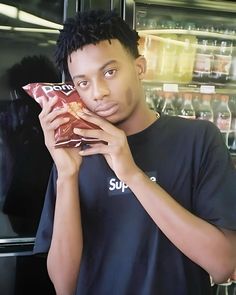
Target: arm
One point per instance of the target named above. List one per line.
(211, 248)
(66, 246)
(205, 244)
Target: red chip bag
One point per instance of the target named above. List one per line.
(67, 95)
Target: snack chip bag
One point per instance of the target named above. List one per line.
(67, 95)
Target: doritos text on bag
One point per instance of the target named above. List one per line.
(67, 96)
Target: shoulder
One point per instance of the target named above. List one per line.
(190, 129)
(200, 139)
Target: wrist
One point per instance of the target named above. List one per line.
(133, 178)
(62, 176)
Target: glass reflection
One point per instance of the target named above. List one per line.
(28, 33)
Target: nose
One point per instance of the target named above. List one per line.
(100, 89)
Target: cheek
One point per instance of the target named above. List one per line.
(85, 100)
(88, 104)
(129, 96)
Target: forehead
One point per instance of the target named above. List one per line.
(98, 54)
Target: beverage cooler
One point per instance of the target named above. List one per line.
(191, 59)
(190, 47)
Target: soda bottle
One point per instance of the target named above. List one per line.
(204, 111)
(215, 101)
(160, 102)
(187, 110)
(223, 117)
(222, 62)
(178, 101)
(168, 107)
(149, 99)
(232, 134)
(232, 107)
(203, 61)
(233, 64)
(141, 20)
(196, 101)
(155, 98)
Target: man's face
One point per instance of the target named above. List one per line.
(107, 78)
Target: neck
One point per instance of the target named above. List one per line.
(138, 121)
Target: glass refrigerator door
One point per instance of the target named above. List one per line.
(191, 59)
(191, 64)
(28, 34)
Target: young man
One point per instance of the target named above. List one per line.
(148, 210)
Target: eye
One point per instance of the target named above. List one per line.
(83, 84)
(110, 73)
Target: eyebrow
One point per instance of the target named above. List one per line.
(100, 69)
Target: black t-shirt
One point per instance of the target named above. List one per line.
(124, 252)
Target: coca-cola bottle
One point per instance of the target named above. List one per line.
(178, 101)
(232, 134)
(222, 117)
(160, 102)
(149, 99)
(215, 101)
(196, 101)
(232, 107)
(187, 110)
(203, 61)
(233, 64)
(168, 107)
(222, 61)
(204, 111)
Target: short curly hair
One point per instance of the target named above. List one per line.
(91, 27)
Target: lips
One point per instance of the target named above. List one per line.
(106, 109)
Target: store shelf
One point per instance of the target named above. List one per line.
(158, 32)
(193, 87)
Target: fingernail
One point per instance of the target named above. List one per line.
(80, 114)
(86, 111)
(76, 130)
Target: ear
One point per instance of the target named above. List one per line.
(140, 64)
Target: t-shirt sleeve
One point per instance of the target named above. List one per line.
(45, 228)
(215, 188)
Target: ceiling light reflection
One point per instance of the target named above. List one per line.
(8, 10)
(30, 30)
(13, 12)
(32, 19)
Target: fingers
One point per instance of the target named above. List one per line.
(55, 114)
(100, 122)
(47, 105)
(94, 133)
(50, 117)
(97, 148)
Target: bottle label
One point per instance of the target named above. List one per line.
(206, 117)
(187, 117)
(223, 124)
(203, 63)
(221, 64)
